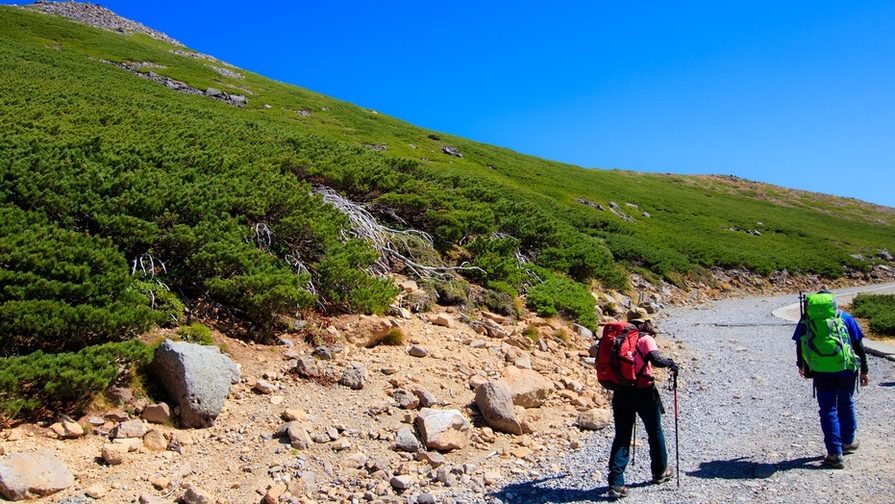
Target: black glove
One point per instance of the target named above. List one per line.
(674, 367)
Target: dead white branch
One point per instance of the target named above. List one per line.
(386, 241)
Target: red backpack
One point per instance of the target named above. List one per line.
(615, 356)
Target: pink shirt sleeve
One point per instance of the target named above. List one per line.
(645, 344)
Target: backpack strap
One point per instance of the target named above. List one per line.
(639, 374)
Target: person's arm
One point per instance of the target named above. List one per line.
(862, 354)
(857, 341)
(797, 337)
(664, 362)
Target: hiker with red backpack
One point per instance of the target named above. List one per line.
(829, 350)
(624, 363)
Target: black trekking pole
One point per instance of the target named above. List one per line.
(677, 449)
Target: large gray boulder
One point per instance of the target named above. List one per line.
(196, 377)
(495, 401)
(28, 475)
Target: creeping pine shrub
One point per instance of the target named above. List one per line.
(162, 301)
(344, 284)
(561, 295)
(879, 309)
(453, 292)
(659, 260)
(39, 382)
(499, 298)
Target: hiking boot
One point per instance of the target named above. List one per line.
(835, 461)
(618, 492)
(850, 448)
(662, 478)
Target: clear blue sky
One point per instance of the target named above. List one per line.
(797, 93)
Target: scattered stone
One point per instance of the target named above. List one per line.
(264, 387)
(427, 399)
(196, 495)
(66, 428)
(156, 413)
(116, 416)
(291, 414)
(132, 444)
(521, 452)
(129, 429)
(29, 475)
(353, 378)
(441, 319)
(417, 351)
(96, 491)
(298, 435)
(369, 331)
(434, 459)
(402, 482)
(406, 441)
(354, 461)
(307, 367)
(405, 399)
(529, 388)
(443, 430)
(594, 419)
(154, 440)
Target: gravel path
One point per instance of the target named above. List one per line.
(748, 424)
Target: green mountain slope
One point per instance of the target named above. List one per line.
(123, 200)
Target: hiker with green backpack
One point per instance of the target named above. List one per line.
(830, 351)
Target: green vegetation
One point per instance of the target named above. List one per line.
(125, 205)
(879, 309)
(561, 295)
(40, 382)
(197, 333)
(394, 337)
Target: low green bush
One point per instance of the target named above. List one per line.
(196, 333)
(558, 294)
(879, 309)
(39, 382)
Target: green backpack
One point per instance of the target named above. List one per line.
(826, 345)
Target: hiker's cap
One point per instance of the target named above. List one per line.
(637, 315)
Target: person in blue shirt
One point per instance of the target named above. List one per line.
(835, 392)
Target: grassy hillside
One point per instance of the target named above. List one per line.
(123, 200)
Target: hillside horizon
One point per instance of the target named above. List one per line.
(131, 26)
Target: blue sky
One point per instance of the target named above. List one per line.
(799, 94)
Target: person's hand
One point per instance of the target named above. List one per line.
(674, 367)
(865, 380)
(802, 372)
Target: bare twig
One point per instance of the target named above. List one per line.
(387, 241)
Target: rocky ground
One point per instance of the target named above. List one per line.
(353, 457)
(239, 459)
